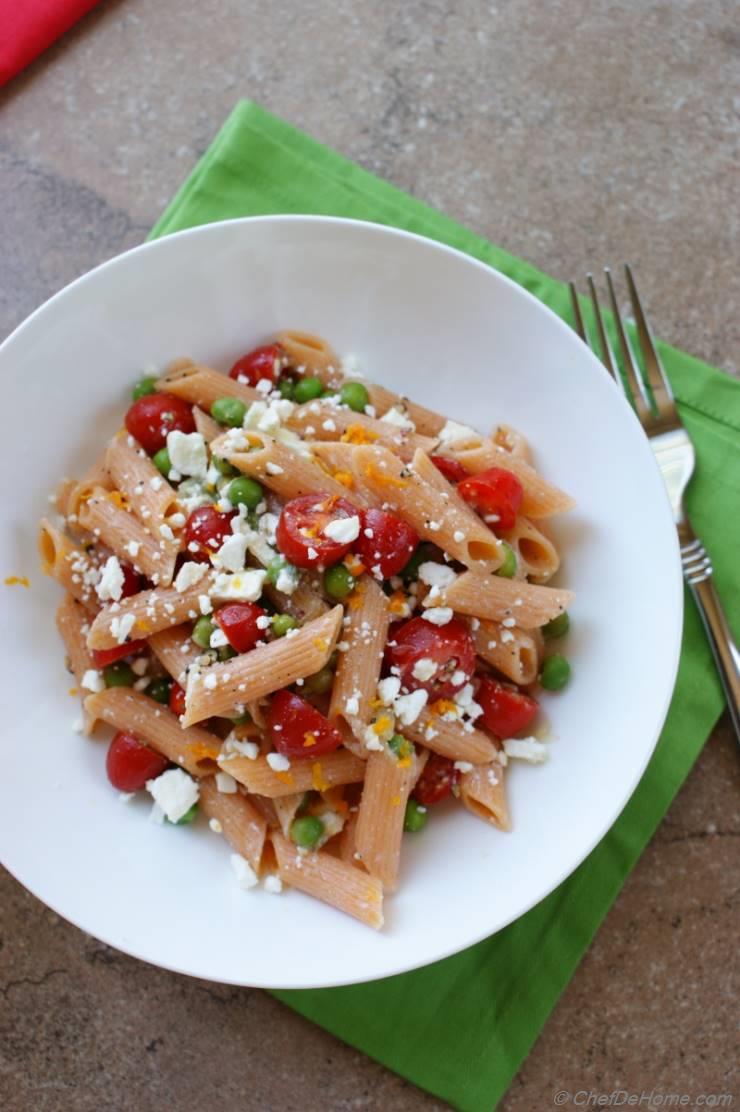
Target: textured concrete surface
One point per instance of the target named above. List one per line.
(574, 133)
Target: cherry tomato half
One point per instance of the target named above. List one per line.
(177, 699)
(450, 647)
(436, 781)
(150, 418)
(506, 710)
(391, 545)
(300, 532)
(452, 469)
(494, 492)
(263, 362)
(208, 528)
(130, 763)
(238, 621)
(298, 730)
(101, 658)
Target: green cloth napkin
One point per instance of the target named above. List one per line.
(461, 1027)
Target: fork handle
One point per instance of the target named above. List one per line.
(697, 571)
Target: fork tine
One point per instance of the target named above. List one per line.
(637, 386)
(607, 355)
(656, 375)
(580, 327)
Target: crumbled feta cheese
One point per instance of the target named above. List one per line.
(277, 762)
(218, 639)
(506, 636)
(215, 826)
(232, 553)
(458, 677)
(436, 575)
(274, 468)
(352, 705)
(245, 586)
(395, 416)
(424, 669)
(175, 792)
(264, 386)
(455, 433)
(372, 741)
(312, 553)
(189, 574)
(93, 680)
(225, 784)
(133, 549)
(210, 682)
(140, 666)
(463, 766)
(166, 533)
(458, 536)
(343, 530)
(245, 875)
(388, 690)
(526, 749)
(329, 425)
(121, 627)
(263, 622)
(204, 604)
(188, 454)
(110, 585)
(156, 482)
(272, 884)
(287, 580)
(509, 623)
(438, 615)
(268, 524)
(409, 707)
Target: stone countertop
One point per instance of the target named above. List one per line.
(574, 134)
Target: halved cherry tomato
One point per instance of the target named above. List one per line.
(130, 763)
(436, 781)
(263, 362)
(177, 699)
(150, 418)
(449, 646)
(300, 532)
(452, 469)
(208, 528)
(298, 730)
(495, 492)
(238, 621)
(506, 710)
(390, 546)
(103, 657)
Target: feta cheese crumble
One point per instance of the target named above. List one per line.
(436, 575)
(408, 707)
(343, 530)
(175, 792)
(225, 784)
(93, 680)
(244, 586)
(188, 575)
(245, 875)
(455, 433)
(110, 585)
(277, 762)
(424, 669)
(526, 749)
(121, 628)
(438, 615)
(388, 690)
(188, 453)
(232, 553)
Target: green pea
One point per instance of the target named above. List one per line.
(225, 652)
(508, 568)
(162, 462)
(278, 564)
(119, 674)
(287, 386)
(555, 672)
(160, 690)
(144, 386)
(306, 832)
(202, 631)
(424, 552)
(242, 719)
(320, 682)
(308, 389)
(188, 816)
(338, 582)
(415, 818)
(558, 627)
(222, 466)
(282, 623)
(355, 396)
(245, 492)
(229, 411)
(401, 747)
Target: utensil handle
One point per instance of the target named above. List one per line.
(697, 570)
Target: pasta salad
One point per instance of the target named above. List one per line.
(312, 610)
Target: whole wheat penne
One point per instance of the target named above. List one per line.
(72, 623)
(205, 425)
(69, 564)
(285, 809)
(483, 792)
(541, 498)
(428, 423)
(305, 349)
(385, 791)
(305, 603)
(104, 515)
(507, 600)
(145, 490)
(175, 650)
(512, 441)
(151, 611)
(276, 465)
(194, 748)
(251, 675)
(329, 422)
(243, 826)
(537, 556)
(339, 767)
(347, 841)
(451, 739)
(332, 880)
(202, 386)
(513, 652)
(358, 666)
(62, 496)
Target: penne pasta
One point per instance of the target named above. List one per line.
(493, 597)
(537, 557)
(385, 791)
(451, 739)
(339, 767)
(103, 514)
(150, 612)
(541, 498)
(305, 603)
(358, 666)
(308, 351)
(511, 440)
(194, 749)
(243, 826)
(72, 623)
(326, 421)
(218, 689)
(331, 880)
(205, 425)
(175, 650)
(512, 652)
(285, 809)
(483, 792)
(144, 489)
(69, 564)
(285, 471)
(202, 386)
(427, 422)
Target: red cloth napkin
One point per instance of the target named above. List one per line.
(27, 27)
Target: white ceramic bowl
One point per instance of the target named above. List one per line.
(456, 336)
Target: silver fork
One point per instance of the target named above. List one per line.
(674, 454)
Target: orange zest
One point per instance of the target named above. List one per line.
(320, 643)
(73, 691)
(345, 478)
(143, 626)
(17, 581)
(309, 740)
(380, 477)
(353, 565)
(317, 778)
(382, 724)
(357, 434)
(397, 603)
(202, 752)
(444, 706)
(118, 499)
(395, 801)
(285, 777)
